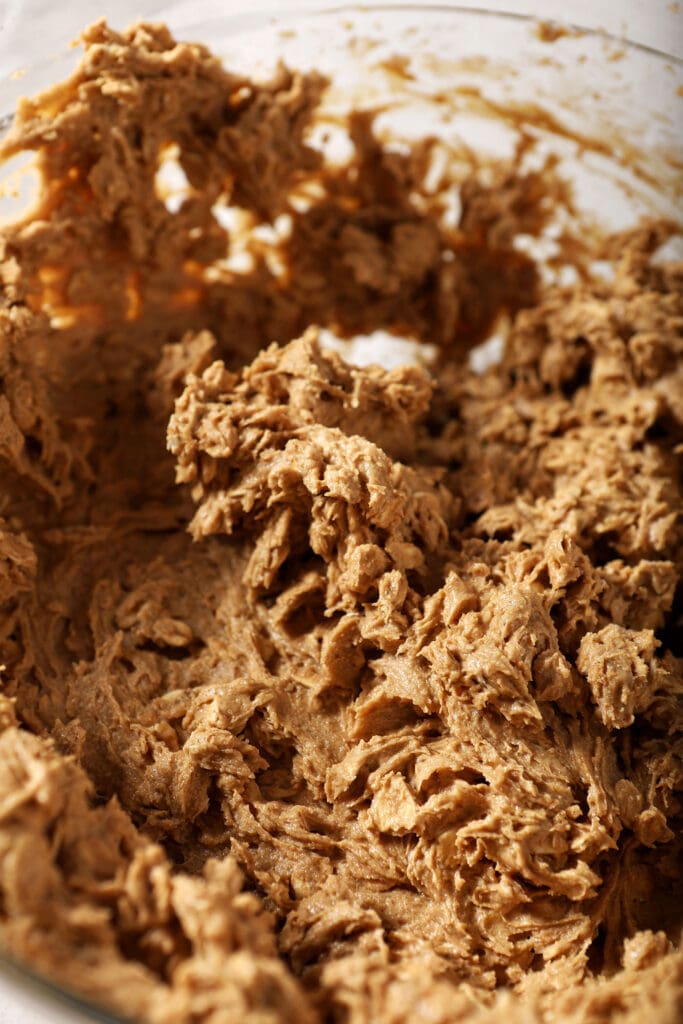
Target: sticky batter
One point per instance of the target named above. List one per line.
(328, 693)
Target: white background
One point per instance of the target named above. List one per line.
(31, 30)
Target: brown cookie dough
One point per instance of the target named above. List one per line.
(373, 712)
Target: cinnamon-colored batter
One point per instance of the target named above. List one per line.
(329, 694)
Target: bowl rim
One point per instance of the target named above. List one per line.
(21, 977)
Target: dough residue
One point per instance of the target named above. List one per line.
(330, 693)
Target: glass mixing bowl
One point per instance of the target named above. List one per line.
(610, 110)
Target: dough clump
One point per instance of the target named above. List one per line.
(329, 693)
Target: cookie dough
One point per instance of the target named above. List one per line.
(328, 693)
